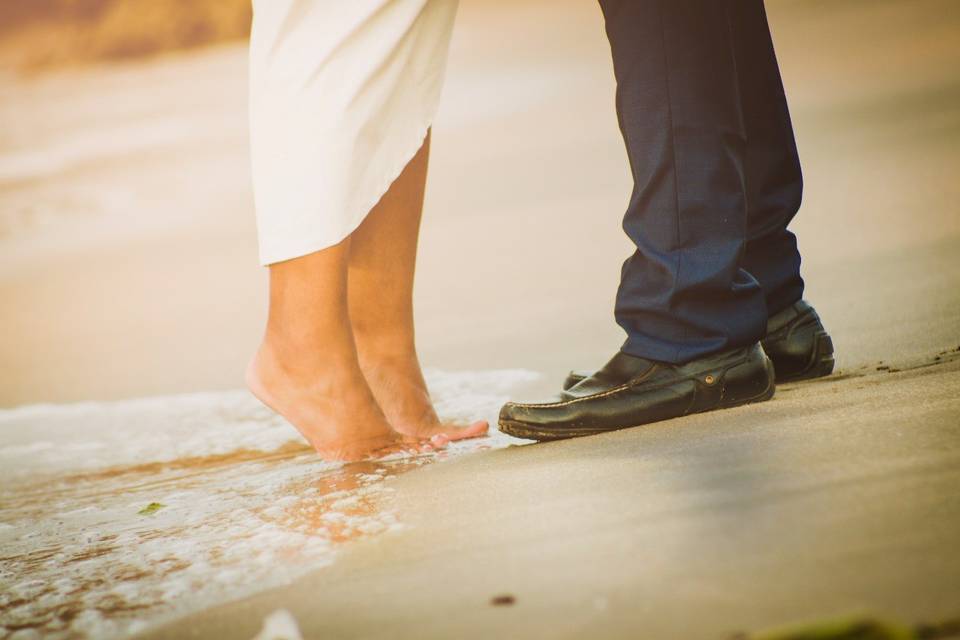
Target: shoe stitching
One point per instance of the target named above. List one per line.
(602, 394)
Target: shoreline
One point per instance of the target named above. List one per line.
(156, 508)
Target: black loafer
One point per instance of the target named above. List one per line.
(630, 391)
(798, 345)
(796, 342)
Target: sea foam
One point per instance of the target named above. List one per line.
(120, 515)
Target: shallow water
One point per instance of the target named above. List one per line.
(115, 516)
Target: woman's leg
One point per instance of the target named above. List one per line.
(382, 262)
(306, 369)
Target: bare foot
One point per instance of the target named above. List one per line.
(333, 408)
(398, 385)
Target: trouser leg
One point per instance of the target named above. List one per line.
(772, 167)
(683, 293)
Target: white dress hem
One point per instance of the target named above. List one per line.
(292, 251)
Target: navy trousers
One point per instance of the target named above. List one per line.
(716, 176)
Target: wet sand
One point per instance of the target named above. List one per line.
(117, 516)
(127, 269)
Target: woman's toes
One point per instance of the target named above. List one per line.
(456, 432)
(435, 443)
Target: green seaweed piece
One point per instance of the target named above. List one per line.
(851, 629)
(151, 508)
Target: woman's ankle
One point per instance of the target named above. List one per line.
(385, 346)
(286, 359)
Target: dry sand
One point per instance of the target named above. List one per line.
(128, 268)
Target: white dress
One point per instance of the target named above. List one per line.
(342, 93)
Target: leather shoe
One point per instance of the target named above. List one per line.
(630, 391)
(796, 342)
(798, 345)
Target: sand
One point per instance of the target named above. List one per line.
(836, 498)
(128, 269)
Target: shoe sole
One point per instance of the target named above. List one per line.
(529, 432)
